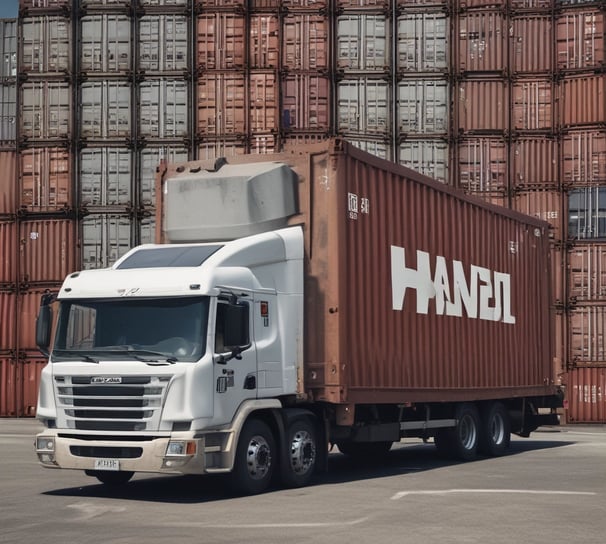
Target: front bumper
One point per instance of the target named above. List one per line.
(201, 453)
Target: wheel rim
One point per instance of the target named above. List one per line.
(468, 432)
(497, 429)
(302, 452)
(258, 458)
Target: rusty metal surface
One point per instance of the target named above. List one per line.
(582, 100)
(532, 105)
(8, 182)
(8, 386)
(9, 242)
(587, 273)
(531, 44)
(482, 41)
(19, 383)
(534, 163)
(358, 348)
(587, 335)
(580, 39)
(8, 318)
(45, 183)
(547, 205)
(483, 105)
(583, 160)
(586, 395)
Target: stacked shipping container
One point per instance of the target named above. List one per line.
(502, 98)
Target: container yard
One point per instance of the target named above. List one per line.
(505, 100)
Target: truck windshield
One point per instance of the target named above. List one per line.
(150, 330)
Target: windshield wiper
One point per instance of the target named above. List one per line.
(74, 355)
(139, 354)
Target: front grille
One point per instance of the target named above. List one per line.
(125, 403)
(106, 451)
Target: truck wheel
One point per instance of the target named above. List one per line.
(255, 459)
(110, 477)
(461, 441)
(365, 450)
(495, 431)
(300, 465)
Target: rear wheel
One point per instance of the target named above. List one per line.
(495, 430)
(299, 467)
(255, 459)
(461, 441)
(110, 477)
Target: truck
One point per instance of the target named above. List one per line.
(293, 302)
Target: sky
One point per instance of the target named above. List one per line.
(9, 9)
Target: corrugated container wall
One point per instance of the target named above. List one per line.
(586, 395)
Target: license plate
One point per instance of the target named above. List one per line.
(107, 464)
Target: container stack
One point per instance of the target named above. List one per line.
(422, 66)
(581, 70)
(364, 74)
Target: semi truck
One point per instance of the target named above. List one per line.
(294, 302)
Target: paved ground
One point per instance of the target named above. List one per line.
(551, 489)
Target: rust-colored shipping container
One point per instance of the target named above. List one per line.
(264, 41)
(414, 291)
(220, 42)
(47, 250)
(586, 395)
(532, 105)
(305, 102)
(482, 41)
(580, 39)
(45, 183)
(8, 182)
(544, 204)
(221, 104)
(531, 44)
(19, 383)
(587, 273)
(587, 335)
(8, 385)
(483, 105)
(584, 157)
(8, 319)
(305, 43)
(482, 164)
(8, 262)
(264, 101)
(534, 163)
(221, 147)
(583, 100)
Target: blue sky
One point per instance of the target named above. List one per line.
(9, 9)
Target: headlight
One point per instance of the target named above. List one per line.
(45, 443)
(181, 447)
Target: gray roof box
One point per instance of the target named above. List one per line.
(232, 202)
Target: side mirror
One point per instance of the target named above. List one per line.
(44, 323)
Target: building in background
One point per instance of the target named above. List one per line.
(505, 99)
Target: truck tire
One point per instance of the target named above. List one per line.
(300, 465)
(110, 477)
(461, 441)
(365, 451)
(495, 430)
(255, 459)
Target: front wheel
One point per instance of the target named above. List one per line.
(110, 477)
(255, 459)
(299, 467)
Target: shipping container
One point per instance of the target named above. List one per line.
(105, 178)
(263, 143)
(8, 318)
(220, 41)
(583, 158)
(47, 250)
(46, 4)
(8, 48)
(362, 43)
(305, 42)
(8, 114)
(422, 106)
(8, 385)
(9, 242)
(423, 43)
(580, 40)
(147, 230)
(105, 238)
(149, 160)
(481, 4)
(225, 4)
(558, 276)
(264, 102)
(482, 41)
(561, 344)
(221, 105)
(532, 105)
(28, 306)
(8, 183)
(164, 3)
(587, 332)
(586, 213)
(264, 41)
(587, 273)
(379, 148)
(221, 147)
(482, 165)
(531, 44)
(483, 106)
(363, 107)
(163, 109)
(583, 100)
(45, 45)
(45, 183)
(305, 102)
(534, 162)
(545, 204)
(170, 52)
(531, 5)
(105, 110)
(427, 156)
(498, 198)
(106, 44)
(46, 110)
(421, 4)
(29, 370)
(586, 395)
